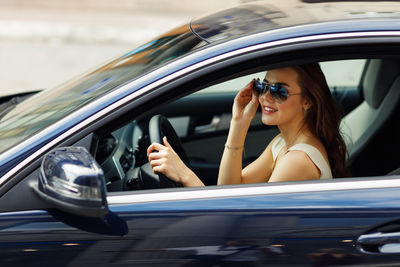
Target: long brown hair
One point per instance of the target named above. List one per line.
(323, 117)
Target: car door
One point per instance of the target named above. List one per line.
(296, 224)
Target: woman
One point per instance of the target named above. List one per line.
(296, 99)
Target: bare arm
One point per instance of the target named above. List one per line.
(230, 170)
(244, 108)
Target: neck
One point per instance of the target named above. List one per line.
(292, 134)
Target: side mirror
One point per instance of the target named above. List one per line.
(71, 180)
(73, 185)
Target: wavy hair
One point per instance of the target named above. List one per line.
(323, 117)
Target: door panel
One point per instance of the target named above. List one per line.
(283, 230)
(296, 229)
(300, 229)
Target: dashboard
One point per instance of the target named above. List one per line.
(121, 151)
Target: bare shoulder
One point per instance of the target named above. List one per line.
(260, 170)
(294, 166)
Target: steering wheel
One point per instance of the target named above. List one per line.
(143, 177)
(159, 126)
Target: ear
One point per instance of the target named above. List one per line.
(307, 104)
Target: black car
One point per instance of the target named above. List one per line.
(76, 188)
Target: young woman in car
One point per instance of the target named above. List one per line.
(297, 100)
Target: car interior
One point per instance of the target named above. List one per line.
(372, 128)
(366, 91)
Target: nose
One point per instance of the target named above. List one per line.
(267, 96)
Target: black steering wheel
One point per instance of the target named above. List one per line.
(159, 126)
(143, 177)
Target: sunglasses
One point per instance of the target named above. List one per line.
(278, 92)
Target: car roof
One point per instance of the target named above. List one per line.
(262, 16)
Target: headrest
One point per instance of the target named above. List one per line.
(378, 79)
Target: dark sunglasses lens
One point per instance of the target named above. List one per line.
(278, 92)
(259, 87)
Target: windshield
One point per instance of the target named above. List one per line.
(45, 108)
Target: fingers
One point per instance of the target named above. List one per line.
(255, 92)
(158, 155)
(248, 87)
(255, 96)
(247, 91)
(158, 165)
(166, 142)
(163, 159)
(159, 169)
(157, 159)
(154, 147)
(159, 147)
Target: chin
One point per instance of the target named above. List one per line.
(269, 121)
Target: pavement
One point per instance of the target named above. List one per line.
(43, 43)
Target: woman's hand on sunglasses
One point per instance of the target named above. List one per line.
(245, 104)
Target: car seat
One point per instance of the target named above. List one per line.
(380, 86)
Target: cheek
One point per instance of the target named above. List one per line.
(290, 107)
(285, 105)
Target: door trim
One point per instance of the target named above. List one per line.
(252, 190)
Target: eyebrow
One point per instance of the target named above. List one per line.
(278, 83)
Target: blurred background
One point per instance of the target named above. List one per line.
(44, 43)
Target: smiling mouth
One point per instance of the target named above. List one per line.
(268, 109)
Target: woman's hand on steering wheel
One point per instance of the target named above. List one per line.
(163, 159)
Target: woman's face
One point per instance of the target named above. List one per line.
(286, 113)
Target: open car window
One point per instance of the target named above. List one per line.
(343, 78)
(201, 120)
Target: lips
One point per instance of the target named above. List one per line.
(269, 110)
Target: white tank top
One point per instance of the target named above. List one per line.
(313, 153)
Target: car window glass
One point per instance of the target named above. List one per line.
(343, 78)
(339, 73)
(233, 85)
(48, 106)
(203, 130)
(343, 72)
